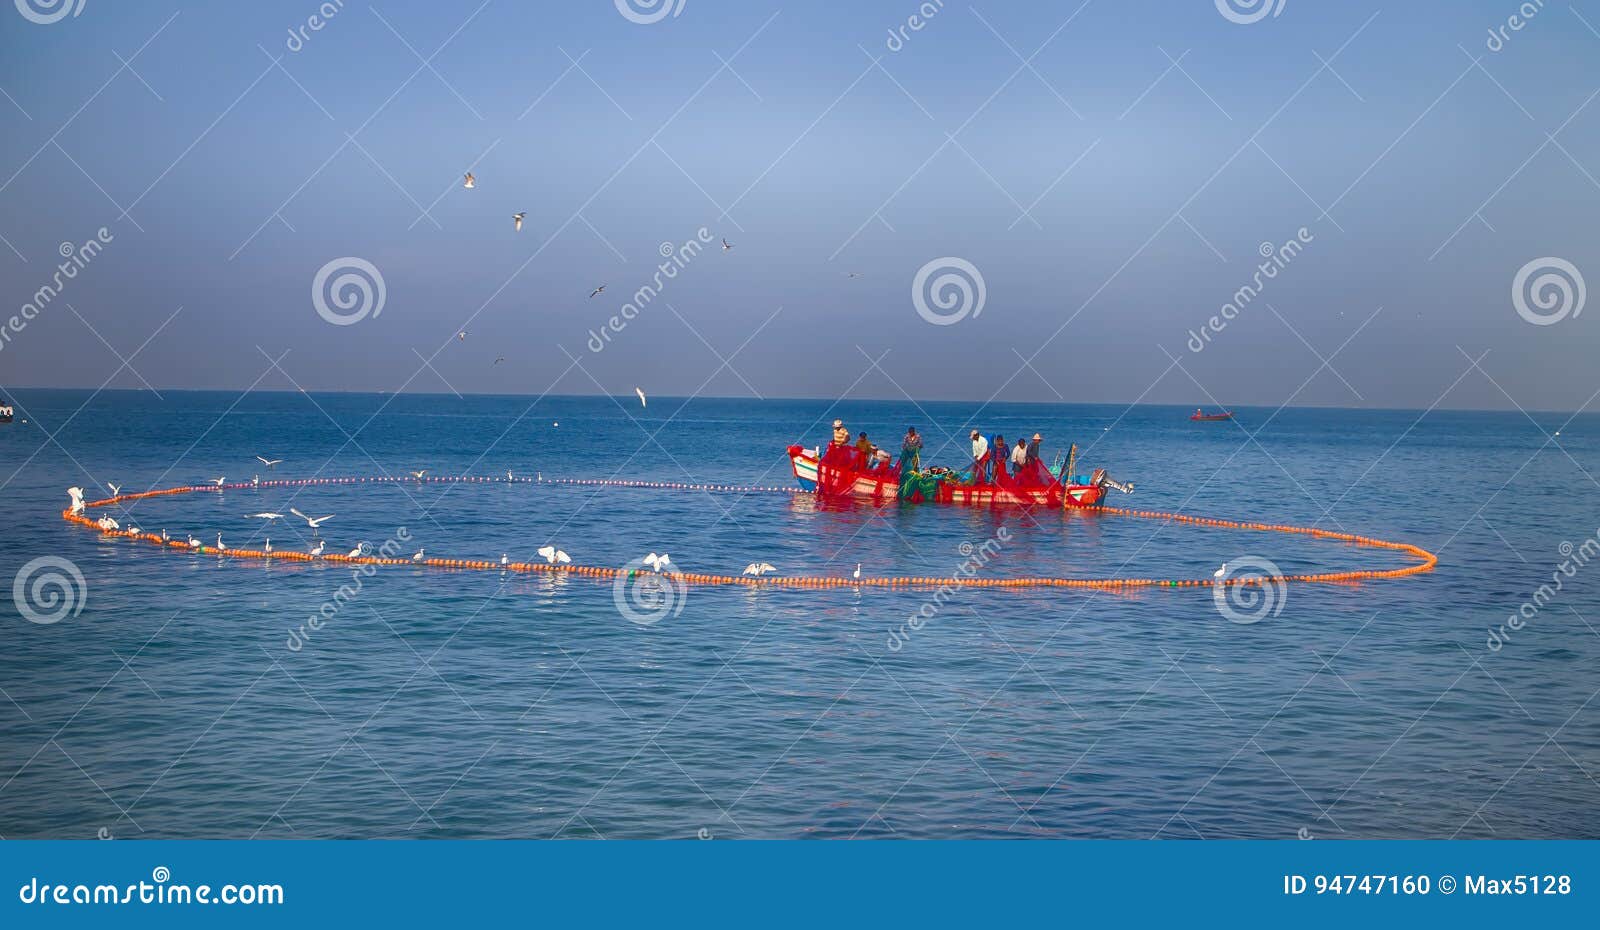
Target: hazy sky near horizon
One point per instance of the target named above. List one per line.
(1111, 170)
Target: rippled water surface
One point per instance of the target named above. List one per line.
(179, 703)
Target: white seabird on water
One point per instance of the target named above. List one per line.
(317, 549)
(657, 562)
(219, 480)
(553, 555)
(418, 555)
(77, 499)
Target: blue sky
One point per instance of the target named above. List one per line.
(1111, 200)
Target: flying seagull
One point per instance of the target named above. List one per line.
(597, 290)
(218, 480)
(418, 474)
(640, 392)
(469, 181)
(268, 516)
(268, 462)
(759, 568)
(497, 360)
(116, 489)
(77, 499)
(312, 522)
(725, 245)
(852, 274)
(553, 555)
(461, 336)
(657, 562)
(517, 219)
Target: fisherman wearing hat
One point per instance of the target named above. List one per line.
(980, 458)
(841, 436)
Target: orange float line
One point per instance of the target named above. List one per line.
(1426, 561)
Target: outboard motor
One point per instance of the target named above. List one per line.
(1102, 480)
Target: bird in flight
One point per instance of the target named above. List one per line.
(640, 392)
(497, 360)
(268, 516)
(218, 481)
(852, 274)
(469, 181)
(116, 489)
(725, 245)
(461, 336)
(759, 568)
(516, 218)
(418, 474)
(312, 522)
(597, 290)
(657, 562)
(268, 462)
(553, 555)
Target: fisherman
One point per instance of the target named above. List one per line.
(1033, 448)
(911, 450)
(839, 453)
(980, 458)
(864, 449)
(998, 454)
(1019, 456)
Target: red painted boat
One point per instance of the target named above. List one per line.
(839, 474)
(1224, 415)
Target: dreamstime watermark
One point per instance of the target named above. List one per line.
(49, 589)
(974, 559)
(1250, 590)
(299, 36)
(155, 891)
(647, 597)
(348, 290)
(948, 290)
(677, 258)
(323, 615)
(1572, 559)
(1548, 290)
(645, 12)
(1275, 258)
(77, 258)
(1245, 12)
(1516, 22)
(45, 12)
(916, 22)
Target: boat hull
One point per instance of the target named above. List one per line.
(865, 486)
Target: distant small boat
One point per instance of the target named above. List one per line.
(5, 411)
(1201, 416)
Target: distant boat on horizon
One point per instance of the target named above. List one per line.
(1202, 416)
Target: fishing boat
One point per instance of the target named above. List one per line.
(5, 411)
(1204, 417)
(838, 473)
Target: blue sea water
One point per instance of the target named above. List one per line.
(179, 702)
